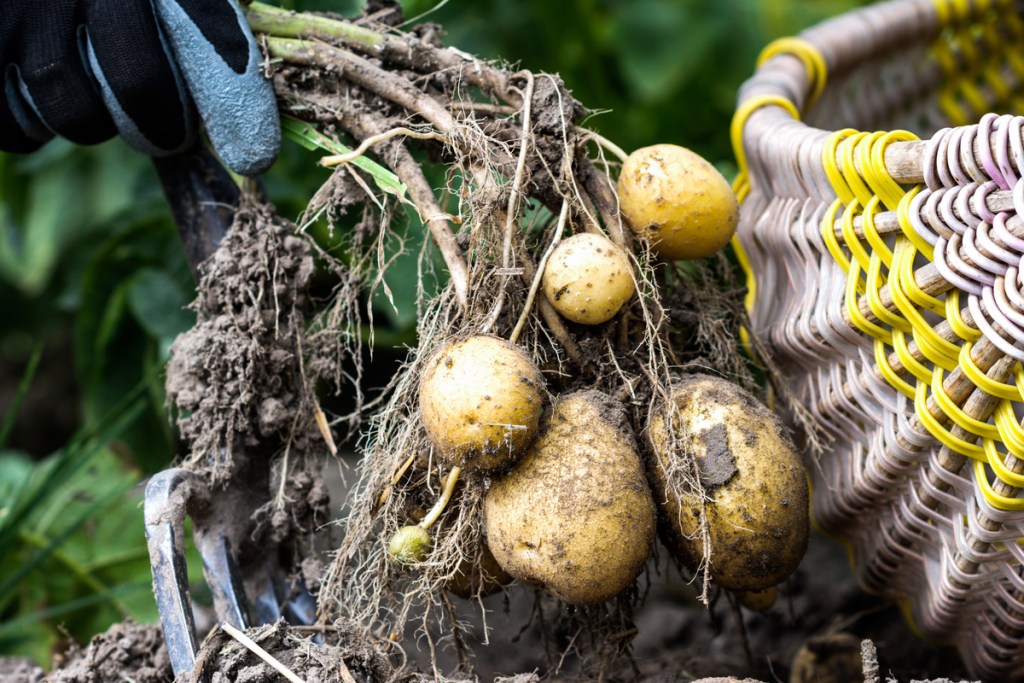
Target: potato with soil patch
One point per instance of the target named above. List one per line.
(677, 201)
(576, 515)
(757, 510)
(588, 279)
(481, 400)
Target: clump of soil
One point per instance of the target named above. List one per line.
(341, 656)
(20, 670)
(244, 378)
(234, 377)
(125, 652)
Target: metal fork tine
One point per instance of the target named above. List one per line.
(301, 607)
(165, 537)
(225, 582)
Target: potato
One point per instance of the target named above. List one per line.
(677, 201)
(588, 279)
(758, 601)
(481, 400)
(576, 515)
(480, 576)
(758, 508)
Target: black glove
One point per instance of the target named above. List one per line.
(91, 69)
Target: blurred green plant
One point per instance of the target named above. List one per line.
(657, 70)
(73, 555)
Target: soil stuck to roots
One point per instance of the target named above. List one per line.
(244, 378)
(234, 376)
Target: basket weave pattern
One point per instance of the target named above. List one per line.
(887, 280)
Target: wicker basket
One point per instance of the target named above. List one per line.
(887, 281)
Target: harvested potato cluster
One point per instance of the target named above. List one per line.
(572, 499)
(545, 431)
(536, 433)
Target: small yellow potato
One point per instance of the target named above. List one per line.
(588, 279)
(677, 201)
(757, 508)
(481, 400)
(576, 515)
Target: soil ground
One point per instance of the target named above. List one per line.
(820, 610)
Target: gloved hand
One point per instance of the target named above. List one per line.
(89, 69)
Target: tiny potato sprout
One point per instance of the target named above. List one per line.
(588, 279)
(675, 200)
(409, 545)
(481, 400)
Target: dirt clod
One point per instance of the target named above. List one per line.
(341, 652)
(235, 377)
(20, 670)
(125, 652)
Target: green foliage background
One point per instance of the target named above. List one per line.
(91, 272)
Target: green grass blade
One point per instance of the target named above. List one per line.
(18, 623)
(312, 139)
(33, 494)
(40, 556)
(19, 397)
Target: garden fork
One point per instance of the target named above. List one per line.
(244, 576)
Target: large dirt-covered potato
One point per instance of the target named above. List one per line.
(481, 400)
(758, 508)
(576, 515)
(677, 201)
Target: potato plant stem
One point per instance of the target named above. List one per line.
(274, 21)
(365, 74)
(403, 51)
(442, 502)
